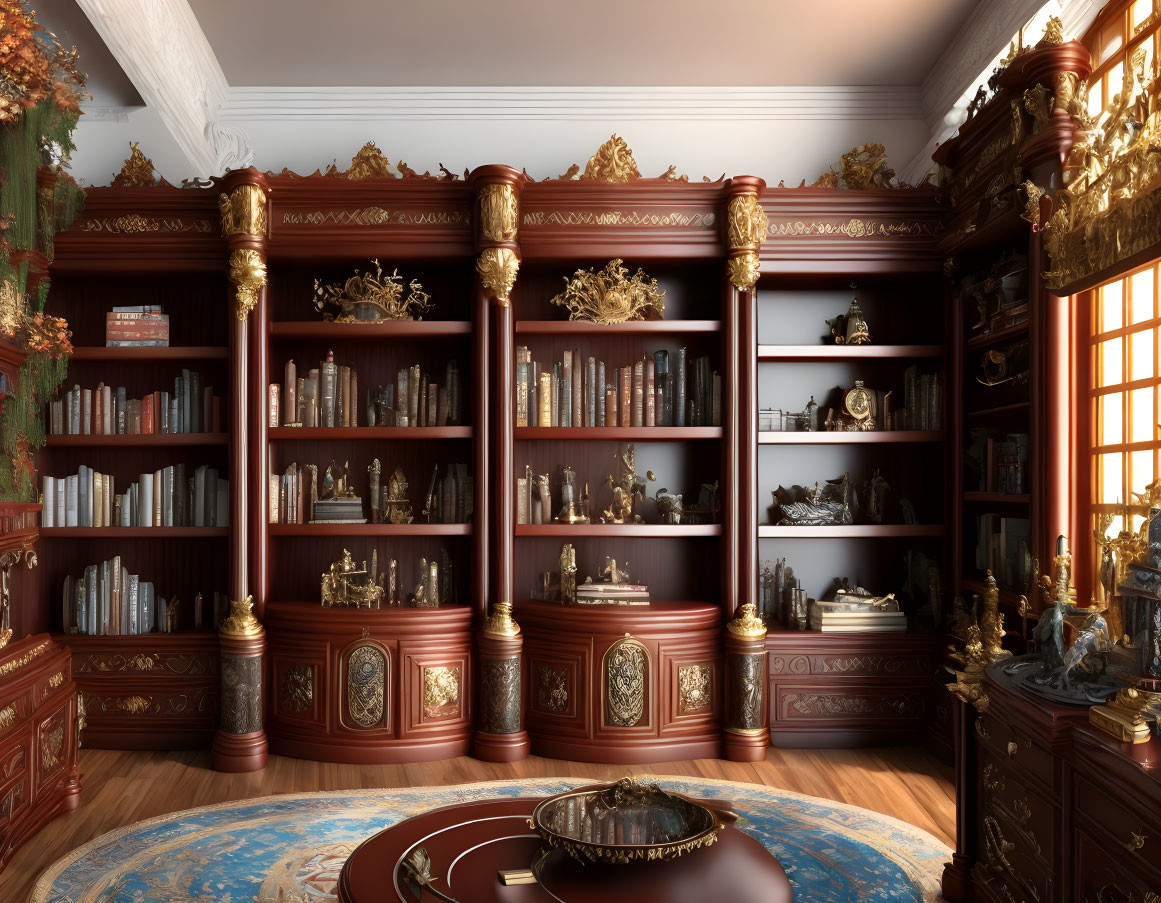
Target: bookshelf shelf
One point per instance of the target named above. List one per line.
(169, 353)
(637, 327)
(855, 531)
(998, 498)
(134, 532)
(776, 437)
(135, 440)
(278, 530)
(999, 409)
(620, 433)
(322, 433)
(625, 531)
(390, 329)
(999, 335)
(769, 353)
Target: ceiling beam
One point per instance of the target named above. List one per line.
(166, 55)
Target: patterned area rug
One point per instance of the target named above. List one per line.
(290, 848)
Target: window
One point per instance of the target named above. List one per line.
(1118, 32)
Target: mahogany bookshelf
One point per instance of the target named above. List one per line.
(620, 433)
(870, 437)
(634, 327)
(135, 532)
(138, 440)
(169, 353)
(370, 529)
(389, 329)
(336, 433)
(845, 352)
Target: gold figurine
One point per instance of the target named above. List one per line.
(851, 328)
(626, 490)
(343, 585)
(398, 508)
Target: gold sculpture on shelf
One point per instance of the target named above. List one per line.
(371, 298)
(980, 633)
(398, 506)
(611, 296)
(627, 489)
(851, 328)
(568, 574)
(863, 168)
(345, 586)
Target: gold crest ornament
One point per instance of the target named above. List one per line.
(500, 621)
(368, 163)
(371, 298)
(857, 405)
(137, 171)
(611, 296)
(248, 273)
(747, 624)
(613, 162)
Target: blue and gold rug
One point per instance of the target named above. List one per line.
(290, 848)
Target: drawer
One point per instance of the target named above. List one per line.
(1104, 876)
(1005, 867)
(1030, 821)
(1019, 750)
(1132, 839)
(54, 752)
(50, 683)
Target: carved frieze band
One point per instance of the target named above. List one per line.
(132, 223)
(500, 696)
(152, 662)
(20, 661)
(376, 216)
(854, 228)
(241, 711)
(893, 704)
(626, 680)
(852, 664)
(199, 702)
(367, 682)
(747, 691)
(671, 219)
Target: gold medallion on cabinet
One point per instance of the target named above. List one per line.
(366, 685)
(296, 691)
(693, 685)
(243, 211)
(626, 668)
(441, 692)
(499, 212)
(497, 268)
(248, 273)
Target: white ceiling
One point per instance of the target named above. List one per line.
(593, 43)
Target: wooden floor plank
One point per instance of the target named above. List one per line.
(124, 787)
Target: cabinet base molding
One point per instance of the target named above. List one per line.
(501, 747)
(239, 753)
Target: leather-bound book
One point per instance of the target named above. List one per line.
(650, 394)
(679, 389)
(413, 378)
(544, 398)
(639, 393)
(402, 379)
(343, 397)
(626, 401)
(577, 395)
(272, 404)
(290, 388)
(328, 375)
(599, 391)
(566, 398)
(663, 407)
(591, 392)
(610, 406)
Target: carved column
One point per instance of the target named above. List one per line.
(747, 733)
(240, 743)
(500, 734)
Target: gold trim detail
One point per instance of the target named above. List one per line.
(613, 162)
(18, 663)
(56, 680)
(131, 223)
(500, 621)
(980, 636)
(1038, 101)
(747, 624)
(693, 684)
(248, 273)
(499, 212)
(376, 216)
(611, 296)
(136, 171)
(497, 268)
(241, 621)
(368, 163)
(669, 219)
(441, 689)
(243, 211)
(1053, 32)
(853, 228)
(134, 705)
(7, 717)
(746, 223)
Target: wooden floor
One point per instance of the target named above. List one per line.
(123, 787)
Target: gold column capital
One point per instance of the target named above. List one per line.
(248, 273)
(500, 621)
(746, 225)
(243, 211)
(497, 268)
(499, 212)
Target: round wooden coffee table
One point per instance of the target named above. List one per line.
(470, 843)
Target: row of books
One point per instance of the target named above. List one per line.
(922, 401)
(164, 498)
(137, 326)
(1002, 463)
(1003, 547)
(106, 600)
(583, 392)
(107, 411)
(328, 397)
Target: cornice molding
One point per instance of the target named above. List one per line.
(682, 104)
(166, 55)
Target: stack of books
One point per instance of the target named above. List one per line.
(163, 498)
(328, 396)
(589, 593)
(583, 392)
(191, 408)
(922, 402)
(855, 617)
(137, 326)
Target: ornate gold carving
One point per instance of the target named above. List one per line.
(56, 680)
(552, 689)
(854, 228)
(368, 163)
(7, 717)
(82, 721)
(1016, 124)
(134, 705)
(174, 663)
(1032, 206)
(626, 671)
(441, 692)
(19, 662)
(243, 211)
(743, 271)
(610, 296)
(981, 636)
(366, 685)
(693, 685)
(499, 212)
(376, 216)
(747, 624)
(865, 167)
(613, 162)
(1053, 32)
(297, 688)
(380, 296)
(52, 748)
(901, 704)
(136, 171)
(1039, 102)
(746, 223)
(241, 621)
(248, 273)
(497, 268)
(134, 222)
(500, 622)
(669, 219)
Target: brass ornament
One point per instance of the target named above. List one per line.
(370, 297)
(1032, 206)
(747, 624)
(693, 686)
(613, 162)
(863, 168)
(366, 685)
(134, 705)
(611, 296)
(7, 717)
(243, 211)
(297, 690)
(248, 273)
(1016, 123)
(500, 622)
(497, 268)
(368, 163)
(743, 271)
(1053, 32)
(1039, 102)
(980, 634)
(346, 586)
(441, 692)
(241, 621)
(746, 223)
(499, 212)
(17, 663)
(137, 171)
(625, 677)
(52, 749)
